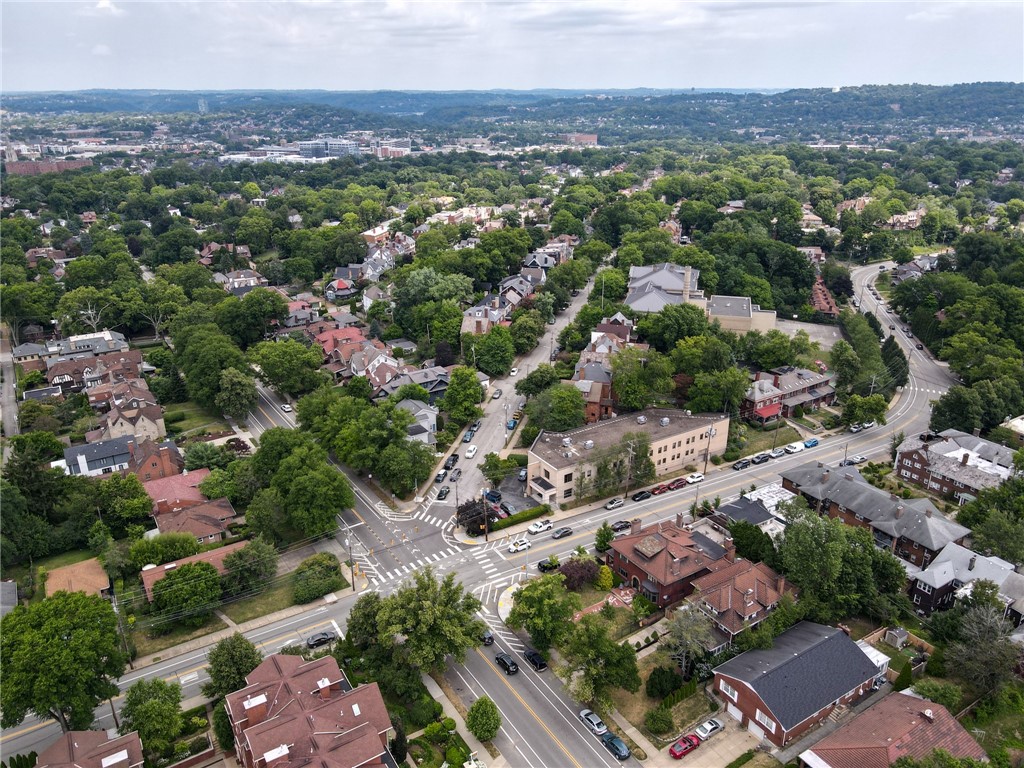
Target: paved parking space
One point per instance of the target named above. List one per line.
(826, 335)
(718, 751)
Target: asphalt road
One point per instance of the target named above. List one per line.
(541, 727)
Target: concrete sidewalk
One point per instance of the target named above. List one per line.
(451, 711)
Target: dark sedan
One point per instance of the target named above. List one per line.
(741, 464)
(620, 525)
(320, 638)
(561, 533)
(641, 496)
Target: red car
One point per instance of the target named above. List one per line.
(675, 485)
(658, 489)
(684, 746)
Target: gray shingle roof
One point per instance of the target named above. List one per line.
(808, 667)
(106, 449)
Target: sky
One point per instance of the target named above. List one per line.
(518, 44)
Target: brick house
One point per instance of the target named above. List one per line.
(176, 491)
(779, 693)
(152, 574)
(912, 529)
(207, 521)
(739, 596)
(953, 574)
(92, 749)
(151, 460)
(954, 464)
(897, 726)
(781, 390)
(294, 712)
(662, 561)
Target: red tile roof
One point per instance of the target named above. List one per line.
(88, 749)
(209, 518)
(739, 593)
(183, 487)
(895, 727)
(214, 557)
(669, 553)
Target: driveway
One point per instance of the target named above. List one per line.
(718, 751)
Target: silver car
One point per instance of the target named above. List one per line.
(593, 722)
(709, 728)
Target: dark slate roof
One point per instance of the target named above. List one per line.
(106, 449)
(752, 511)
(808, 667)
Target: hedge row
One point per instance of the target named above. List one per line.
(743, 759)
(679, 694)
(522, 517)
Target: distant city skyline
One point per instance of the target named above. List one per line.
(507, 44)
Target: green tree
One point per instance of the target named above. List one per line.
(718, 391)
(845, 363)
(462, 397)
(222, 727)
(597, 663)
(640, 378)
(985, 655)
(288, 365)
(435, 618)
(266, 515)
(539, 379)
(228, 664)
(313, 492)
(948, 695)
(544, 608)
(483, 719)
(603, 537)
(959, 408)
(316, 576)
(188, 595)
(558, 408)
(493, 352)
(249, 569)
(76, 635)
(859, 409)
(153, 709)
(199, 455)
(237, 394)
(690, 632)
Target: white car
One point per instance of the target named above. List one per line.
(519, 545)
(858, 459)
(539, 527)
(471, 452)
(696, 477)
(614, 504)
(794, 448)
(867, 424)
(513, 372)
(286, 408)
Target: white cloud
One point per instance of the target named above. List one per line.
(101, 49)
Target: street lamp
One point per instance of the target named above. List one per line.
(351, 565)
(707, 454)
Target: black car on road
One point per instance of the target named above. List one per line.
(620, 525)
(741, 464)
(561, 533)
(641, 496)
(320, 638)
(535, 659)
(507, 663)
(546, 566)
(451, 461)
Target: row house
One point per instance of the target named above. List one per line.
(781, 390)
(663, 561)
(98, 343)
(954, 464)
(780, 693)
(857, 206)
(912, 529)
(905, 221)
(293, 712)
(821, 299)
(92, 749)
(594, 382)
(954, 573)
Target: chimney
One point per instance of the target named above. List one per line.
(634, 525)
(275, 756)
(974, 561)
(780, 585)
(963, 459)
(679, 520)
(825, 476)
(255, 709)
(775, 381)
(976, 432)
(899, 511)
(325, 688)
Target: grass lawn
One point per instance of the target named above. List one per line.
(763, 760)
(634, 706)
(196, 418)
(19, 572)
(147, 645)
(274, 599)
(763, 441)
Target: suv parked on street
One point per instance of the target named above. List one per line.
(507, 663)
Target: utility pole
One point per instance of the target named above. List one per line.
(629, 466)
(707, 453)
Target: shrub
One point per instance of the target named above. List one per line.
(936, 666)
(579, 572)
(455, 755)
(731, 454)
(658, 720)
(903, 680)
(522, 517)
(743, 759)
(605, 578)
(662, 682)
(174, 417)
(798, 412)
(198, 744)
(424, 711)
(400, 744)
(436, 733)
(449, 724)
(317, 576)
(716, 460)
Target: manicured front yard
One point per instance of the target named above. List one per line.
(196, 419)
(763, 441)
(274, 599)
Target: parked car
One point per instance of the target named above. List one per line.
(676, 484)
(794, 448)
(695, 477)
(616, 746)
(641, 496)
(487, 638)
(845, 463)
(621, 525)
(471, 452)
(320, 638)
(468, 437)
(684, 746)
(892, 327)
(777, 453)
(561, 533)
(451, 461)
(546, 566)
(867, 424)
(855, 428)
(443, 493)
(455, 474)
(810, 442)
(514, 372)
(760, 458)
(512, 424)
(593, 722)
(920, 346)
(475, 426)
(741, 464)
(519, 545)
(708, 728)
(536, 660)
(539, 527)
(441, 476)
(507, 663)
(858, 459)
(507, 508)
(286, 408)
(614, 504)
(496, 395)
(660, 489)
(493, 496)
(522, 475)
